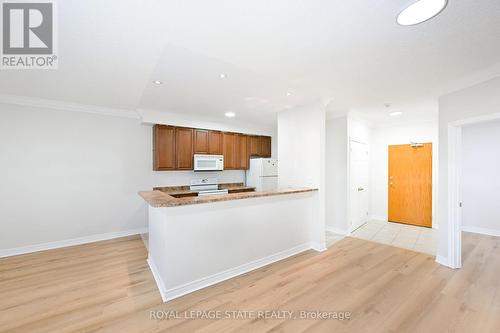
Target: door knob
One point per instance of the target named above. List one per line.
(360, 189)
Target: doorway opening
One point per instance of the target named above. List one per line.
(455, 186)
(358, 176)
(401, 186)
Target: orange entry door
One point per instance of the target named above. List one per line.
(410, 184)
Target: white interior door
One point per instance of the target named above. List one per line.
(358, 185)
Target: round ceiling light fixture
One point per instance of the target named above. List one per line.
(157, 82)
(230, 114)
(421, 11)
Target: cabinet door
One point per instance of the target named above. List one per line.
(200, 141)
(242, 152)
(254, 146)
(215, 143)
(164, 147)
(265, 146)
(229, 150)
(184, 148)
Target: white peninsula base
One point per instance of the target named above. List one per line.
(195, 246)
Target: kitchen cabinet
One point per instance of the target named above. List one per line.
(242, 156)
(259, 146)
(174, 147)
(214, 143)
(254, 146)
(184, 148)
(229, 150)
(265, 146)
(201, 138)
(164, 147)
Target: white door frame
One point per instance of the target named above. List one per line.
(454, 196)
(454, 236)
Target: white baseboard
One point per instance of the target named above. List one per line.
(336, 230)
(70, 242)
(442, 260)
(170, 294)
(483, 231)
(318, 247)
(445, 262)
(158, 279)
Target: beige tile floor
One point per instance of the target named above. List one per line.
(400, 235)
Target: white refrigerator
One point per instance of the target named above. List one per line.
(263, 174)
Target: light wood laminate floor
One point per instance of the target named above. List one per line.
(107, 287)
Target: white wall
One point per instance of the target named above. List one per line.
(481, 178)
(67, 175)
(336, 175)
(480, 100)
(301, 154)
(382, 138)
(358, 129)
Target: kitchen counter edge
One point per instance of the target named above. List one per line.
(160, 199)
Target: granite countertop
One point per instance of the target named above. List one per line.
(180, 190)
(157, 198)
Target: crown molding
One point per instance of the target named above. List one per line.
(476, 78)
(67, 106)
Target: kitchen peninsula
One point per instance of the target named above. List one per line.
(197, 241)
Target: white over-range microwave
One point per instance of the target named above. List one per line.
(208, 162)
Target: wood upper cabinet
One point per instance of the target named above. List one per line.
(164, 147)
(260, 146)
(254, 145)
(265, 146)
(184, 148)
(201, 138)
(174, 147)
(229, 150)
(214, 143)
(242, 157)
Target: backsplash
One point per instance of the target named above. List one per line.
(182, 178)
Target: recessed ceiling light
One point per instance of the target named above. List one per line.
(421, 11)
(395, 114)
(157, 82)
(223, 76)
(289, 94)
(230, 114)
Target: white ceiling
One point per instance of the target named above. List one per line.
(422, 112)
(351, 53)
